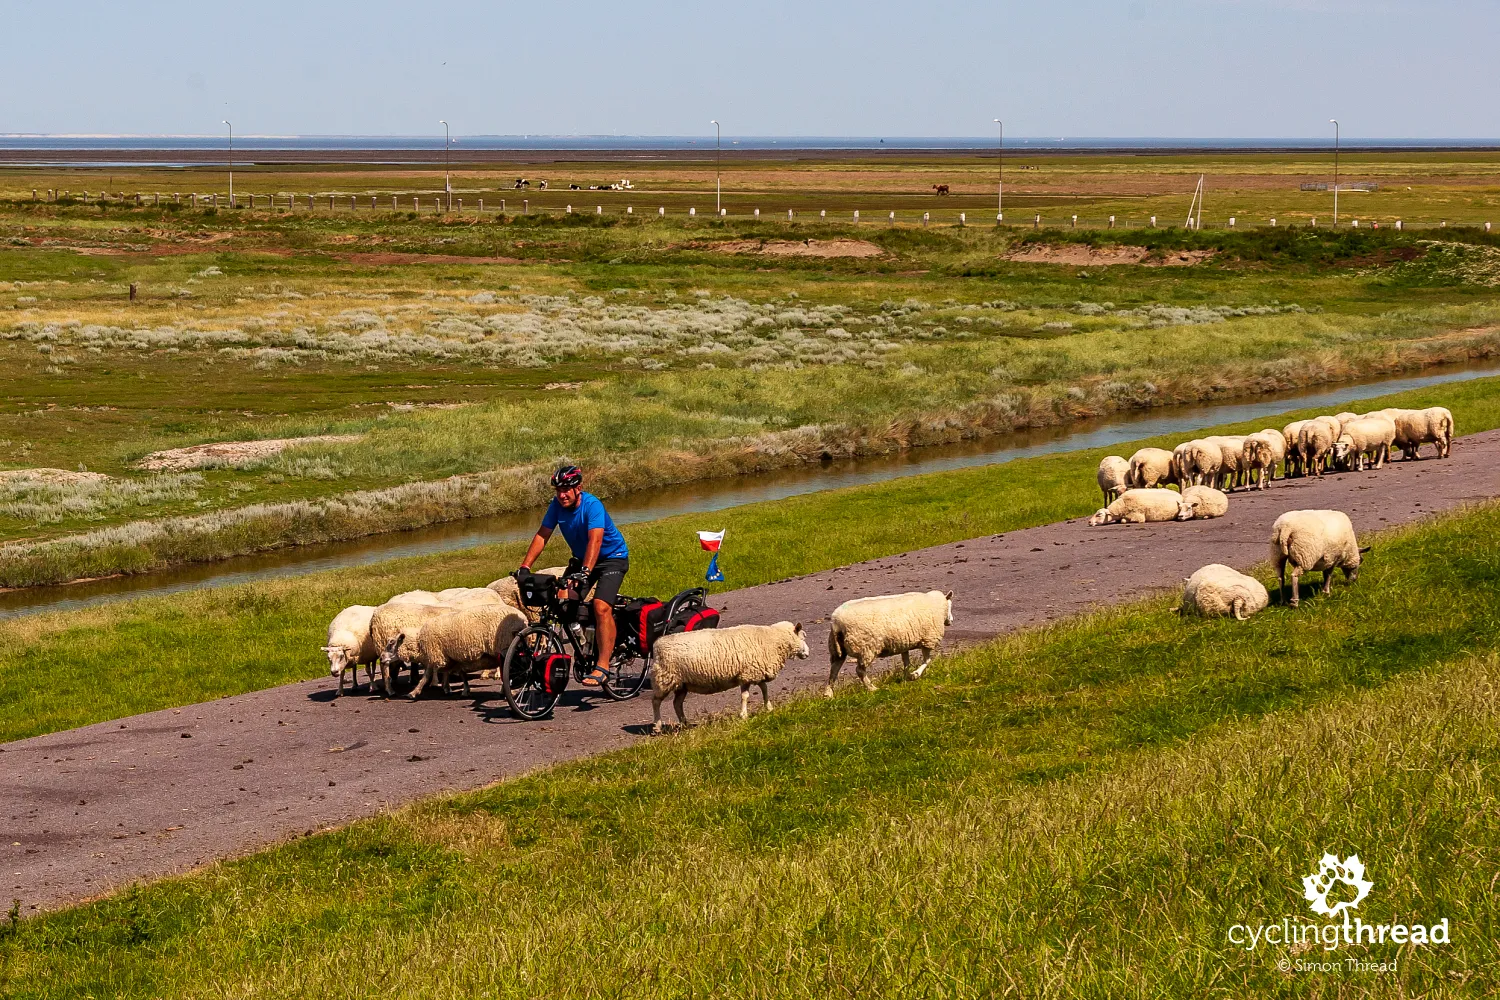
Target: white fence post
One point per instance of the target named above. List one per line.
(1112, 222)
(692, 211)
(1153, 222)
(961, 218)
(1273, 222)
(757, 213)
(856, 216)
(1398, 225)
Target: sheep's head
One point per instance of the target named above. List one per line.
(1101, 516)
(948, 609)
(338, 659)
(390, 656)
(1185, 510)
(801, 651)
(1342, 449)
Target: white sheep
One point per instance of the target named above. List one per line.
(1206, 501)
(350, 646)
(1217, 590)
(400, 619)
(1197, 462)
(1290, 435)
(1140, 506)
(1314, 540)
(1415, 428)
(465, 641)
(868, 628)
(1364, 439)
(1113, 476)
(1150, 467)
(1231, 460)
(712, 660)
(510, 591)
(1263, 452)
(415, 597)
(1315, 441)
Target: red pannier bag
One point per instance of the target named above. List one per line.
(703, 618)
(556, 669)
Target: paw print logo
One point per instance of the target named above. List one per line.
(1331, 871)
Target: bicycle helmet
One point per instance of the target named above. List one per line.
(567, 477)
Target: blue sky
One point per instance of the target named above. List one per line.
(1195, 68)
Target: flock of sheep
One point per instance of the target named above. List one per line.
(1205, 469)
(465, 631)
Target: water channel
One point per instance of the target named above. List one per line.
(717, 494)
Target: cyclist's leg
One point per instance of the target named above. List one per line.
(606, 578)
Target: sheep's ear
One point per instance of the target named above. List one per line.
(797, 629)
(327, 649)
(948, 596)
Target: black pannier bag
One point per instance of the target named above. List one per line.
(703, 618)
(640, 621)
(689, 612)
(537, 589)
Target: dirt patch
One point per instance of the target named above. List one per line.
(199, 456)
(1083, 255)
(804, 248)
(51, 477)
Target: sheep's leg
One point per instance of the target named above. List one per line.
(1327, 581)
(906, 662)
(466, 686)
(338, 692)
(1239, 609)
(416, 692)
(745, 700)
(926, 659)
(765, 695)
(656, 700)
(864, 677)
(677, 702)
(1296, 597)
(833, 675)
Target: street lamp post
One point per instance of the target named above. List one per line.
(231, 163)
(717, 186)
(447, 184)
(1335, 122)
(1000, 197)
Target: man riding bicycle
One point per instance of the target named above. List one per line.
(600, 558)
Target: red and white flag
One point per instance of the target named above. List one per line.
(710, 540)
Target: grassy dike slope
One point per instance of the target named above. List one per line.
(1083, 810)
(67, 669)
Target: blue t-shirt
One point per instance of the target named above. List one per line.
(578, 522)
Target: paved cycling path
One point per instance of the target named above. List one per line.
(93, 809)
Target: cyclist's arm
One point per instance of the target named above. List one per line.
(539, 542)
(591, 551)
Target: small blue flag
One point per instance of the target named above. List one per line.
(713, 575)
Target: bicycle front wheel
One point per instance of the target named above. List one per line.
(626, 676)
(521, 673)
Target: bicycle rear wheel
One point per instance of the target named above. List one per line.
(626, 676)
(521, 673)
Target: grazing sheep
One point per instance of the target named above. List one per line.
(1151, 467)
(1364, 439)
(868, 628)
(1314, 540)
(1415, 428)
(1263, 452)
(391, 621)
(350, 647)
(1197, 462)
(464, 641)
(1217, 590)
(1315, 443)
(1231, 461)
(1140, 506)
(713, 660)
(1206, 501)
(1290, 434)
(1113, 476)
(1345, 417)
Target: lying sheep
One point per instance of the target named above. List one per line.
(1231, 461)
(1314, 540)
(1140, 506)
(1263, 452)
(350, 646)
(1151, 467)
(1217, 590)
(465, 596)
(1315, 441)
(1364, 439)
(391, 621)
(415, 597)
(869, 628)
(1206, 501)
(1290, 435)
(1197, 462)
(464, 641)
(1113, 476)
(712, 660)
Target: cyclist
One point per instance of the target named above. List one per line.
(600, 557)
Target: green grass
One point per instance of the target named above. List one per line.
(1077, 811)
(62, 670)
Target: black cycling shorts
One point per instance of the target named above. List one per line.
(606, 578)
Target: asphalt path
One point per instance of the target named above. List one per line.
(88, 811)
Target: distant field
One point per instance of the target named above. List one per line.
(450, 345)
